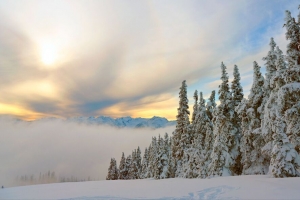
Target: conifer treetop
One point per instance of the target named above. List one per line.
(224, 93)
(202, 101)
(293, 35)
(236, 87)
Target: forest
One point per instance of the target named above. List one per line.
(240, 136)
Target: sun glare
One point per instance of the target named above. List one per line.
(48, 54)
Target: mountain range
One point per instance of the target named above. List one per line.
(154, 122)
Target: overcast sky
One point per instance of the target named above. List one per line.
(127, 58)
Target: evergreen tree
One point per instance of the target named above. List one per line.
(211, 105)
(123, 168)
(164, 157)
(152, 167)
(252, 141)
(181, 135)
(145, 162)
(195, 108)
(193, 158)
(293, 35)
(113, 172)
(236, 87)
(225, 149)
(133, 172)
(139, 162)
(284, 158)
(271, 104)
(289, 93)
(270, 67)
(286, 123)
(128, 164)
(237, 96)
(172, 165)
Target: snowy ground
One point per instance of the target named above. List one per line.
(239, 187)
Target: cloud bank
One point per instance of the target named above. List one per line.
(68, 149)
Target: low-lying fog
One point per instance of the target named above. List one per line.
(66, 148)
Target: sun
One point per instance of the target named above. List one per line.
(48, 54)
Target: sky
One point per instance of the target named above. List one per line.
(127, 58)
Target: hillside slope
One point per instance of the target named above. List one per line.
(234, 187)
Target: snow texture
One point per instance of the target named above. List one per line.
(234, 187)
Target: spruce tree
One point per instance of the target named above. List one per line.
(193, 158)
(145, 162)
(123, 168)
(181, 136)
(293, 35)
(252, 141)
(225, 149)
(236, 87)
(271, 103)
(237, 96)
(284, 158)
(286, 123)
(164, 157)
(152, 167)
(197, 157)
(291, 76)
(128, 164)
(270, 67)
(211, 105)
(113, 172)
(138, 162)
(133, 171)
(195, 107)
(172, 165)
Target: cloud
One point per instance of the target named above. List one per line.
(111, 54)
(69, 149)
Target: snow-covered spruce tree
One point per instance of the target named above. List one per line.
(139, 162)
(197, 158)
(208, 148)
(128, 167)
(293, 36)
(172, 165)
(291, 77)
(164, 157)
(270, 63)
(152, 167)
(133, 171)
(157, 163)
(145, 163)
(193, 159)
(237, 96)
(123, 171)
(181, 135)
(284, 158)
(270, 110)
(252, 141)
(236, 87)
(211, 105)
(113, 172)
(195, 107)
(225, 148)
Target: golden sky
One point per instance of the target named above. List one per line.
(115, 58)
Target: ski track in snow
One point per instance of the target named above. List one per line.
(209, 193)
(213, 193)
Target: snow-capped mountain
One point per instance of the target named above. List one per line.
(154, 122)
